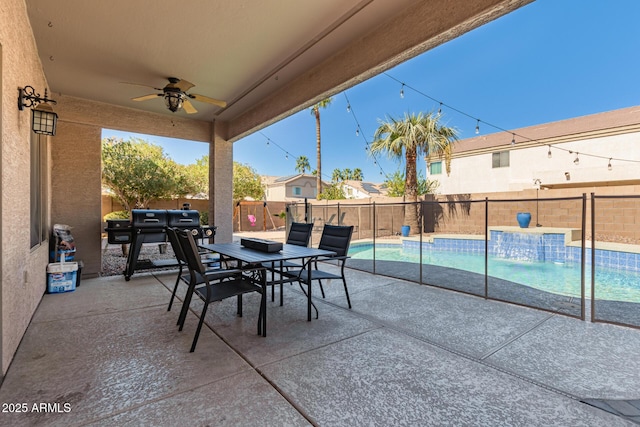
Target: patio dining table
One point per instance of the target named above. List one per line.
(244, 255)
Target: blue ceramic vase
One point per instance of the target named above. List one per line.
(524, 218)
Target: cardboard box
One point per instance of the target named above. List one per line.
(61, 277)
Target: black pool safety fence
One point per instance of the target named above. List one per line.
(530, 252)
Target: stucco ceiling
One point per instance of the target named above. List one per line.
(241, 51)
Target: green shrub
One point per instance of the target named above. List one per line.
(204, 218)
(117, 215)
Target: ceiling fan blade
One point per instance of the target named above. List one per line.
(139, 84)
(208, 100)
(188, 107)
(183, 85)
(146, 97)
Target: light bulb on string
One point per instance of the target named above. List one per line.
(357, 131)
(286, 156)
(267, 142)
(513, 139)
(402, 91)
(577, 160)
(549, 152)
(348, 108)
(440, 109)
(478, 127)
(609, 167)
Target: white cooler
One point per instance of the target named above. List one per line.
(62, 277)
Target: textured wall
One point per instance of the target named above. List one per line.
(76, 189)
(22, 269)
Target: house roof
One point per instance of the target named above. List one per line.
(370, 188)
(600, 124)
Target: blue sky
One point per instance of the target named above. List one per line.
(548, 61)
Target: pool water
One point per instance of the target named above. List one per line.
(558, 278)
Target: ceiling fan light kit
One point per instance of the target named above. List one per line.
(174, 101)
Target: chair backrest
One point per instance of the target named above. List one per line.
(336, 238)
(175, 245)
(190, 250)
(299, 234)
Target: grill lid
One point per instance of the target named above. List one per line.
(148, 218)
(184, 218)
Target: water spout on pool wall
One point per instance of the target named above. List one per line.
(517, 246)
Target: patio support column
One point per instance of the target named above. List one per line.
(221, 183)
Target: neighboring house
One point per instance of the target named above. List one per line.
(290, 188)
(363, 190)
(569, 153)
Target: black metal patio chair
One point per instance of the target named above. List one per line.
(334, 238)
(210, 263)
(218, 285)
(299, 234)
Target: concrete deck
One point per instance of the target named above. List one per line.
(109, 353)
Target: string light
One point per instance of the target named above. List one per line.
(513, 139)
(524, 138)
(366, 143)
(609, 165)
(402, 91)
(577, 160)
(267, 141)
(348, 108)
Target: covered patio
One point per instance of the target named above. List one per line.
(110, 354)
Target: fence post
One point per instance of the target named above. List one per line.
(583, 252)
(420, 219)
(486, 247)
(374, 237)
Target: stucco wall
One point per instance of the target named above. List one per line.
(475, 174)
(76, 189)
(23, 270)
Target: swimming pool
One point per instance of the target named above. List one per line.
(561, 278)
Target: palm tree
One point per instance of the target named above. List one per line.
(337, 176)
(415, 134)
(302, 164)
(357, 175)
(315, 110)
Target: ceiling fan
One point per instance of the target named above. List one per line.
(177, 98)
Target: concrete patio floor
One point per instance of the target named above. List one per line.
(405, 355)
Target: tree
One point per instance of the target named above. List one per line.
(340, 175)
(333, 192)
(414, 135)
(396, 181)
(246, 183)
(138, 172)
(302, 164)
(315, 110)
(198, 174)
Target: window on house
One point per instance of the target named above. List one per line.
(435, 168)
(500, 159)
(297, 191)
(38, 189)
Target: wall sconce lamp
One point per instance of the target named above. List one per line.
(43, 118)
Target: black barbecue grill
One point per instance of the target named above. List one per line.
(149, 226)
